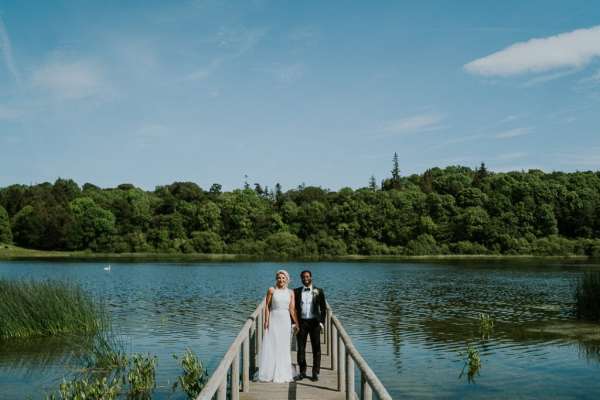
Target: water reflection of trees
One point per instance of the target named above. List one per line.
(393, 323)
(39, 354)
(590, 350)
(189, 313)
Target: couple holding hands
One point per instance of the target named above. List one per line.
(307, 308)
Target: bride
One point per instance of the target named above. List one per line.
(275, 358)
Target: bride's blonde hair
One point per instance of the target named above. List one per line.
(285, 273)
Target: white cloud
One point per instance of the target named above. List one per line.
(567, 50)
(6, 46)
(415, 123)
(511, 133)
(70, 80)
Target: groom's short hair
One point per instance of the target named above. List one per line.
(305, 271)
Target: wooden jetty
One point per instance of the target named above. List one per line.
(339, 358)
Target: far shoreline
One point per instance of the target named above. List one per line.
(9, 252)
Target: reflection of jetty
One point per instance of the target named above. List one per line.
(336, 380)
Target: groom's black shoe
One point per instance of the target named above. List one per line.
(299, 377)
(314, 377)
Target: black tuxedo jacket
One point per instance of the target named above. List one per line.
(319, 307)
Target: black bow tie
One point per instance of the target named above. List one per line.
(306, 289)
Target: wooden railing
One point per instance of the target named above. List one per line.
(344, 358)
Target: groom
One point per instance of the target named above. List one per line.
(311, 311)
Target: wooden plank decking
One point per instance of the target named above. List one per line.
(339, 360)
(324, 389)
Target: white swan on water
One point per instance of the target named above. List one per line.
(107, 268)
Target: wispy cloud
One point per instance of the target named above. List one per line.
(573, 49)
(149, 133)
(303, 34)
(286, 74)
(584, 158)
(233, 44)
(517, 167)
(511, 133)
(205, 71)
(549, 77)
(415, 123)
(7, 54)
(593, 79)
(508, 118)
(70, 80)
(510, 156)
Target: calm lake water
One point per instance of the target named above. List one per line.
(411, 322)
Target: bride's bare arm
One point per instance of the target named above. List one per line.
(293, 309)
(268, 299)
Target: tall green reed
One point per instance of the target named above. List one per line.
(587, 296)
(472, 362)
(48, 308)
(486, 325)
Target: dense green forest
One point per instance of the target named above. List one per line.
(456, 210)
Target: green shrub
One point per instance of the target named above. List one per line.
(424, 244)
(466, 247)
(85, 388)
(247, 246)
(371, 246)
(5, 232)
(194, 375)
(553, 246)
(283, 244)
(141, 376)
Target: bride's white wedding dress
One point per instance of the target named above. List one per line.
(275, 358)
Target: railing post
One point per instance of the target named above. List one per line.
(341, 364)
(349, 377)
(222, 393)
(259, 335)
(246, 364)
(334, 347)
(328, 330)
(365, 388)
(235, 377)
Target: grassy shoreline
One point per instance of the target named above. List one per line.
(9, 252)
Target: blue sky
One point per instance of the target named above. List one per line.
(151, 92)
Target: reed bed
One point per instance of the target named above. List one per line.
(48, 308)
(587, 296)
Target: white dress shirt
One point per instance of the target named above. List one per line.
(307, 299)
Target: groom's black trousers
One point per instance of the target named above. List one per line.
(309, 327)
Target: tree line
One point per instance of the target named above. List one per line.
(455, 210)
